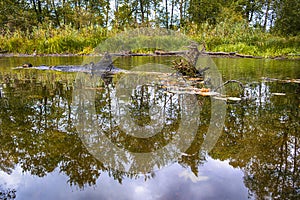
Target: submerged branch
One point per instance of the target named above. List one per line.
(230, 81)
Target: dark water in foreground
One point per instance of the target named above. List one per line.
(44, 154)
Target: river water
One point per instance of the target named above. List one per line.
(129, 139)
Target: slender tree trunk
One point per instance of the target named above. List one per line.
(142, 11)
(78, 12)
(63, 11)
(167, 16)
(106, 13)
(266, 15)
(117, 5)
(40, 10)
(184, 8)
(250, 12)
(56, 13)
(180, 13)
(147, 11)
(172, 13)
(155, 6)
(272, 20)
(295, 162)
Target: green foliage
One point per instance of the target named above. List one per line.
(239, 47)
(145, 40)
(288, 19)
(225, 36)
(79, 26)
(232, 34)
(51, 40)
(204, 11)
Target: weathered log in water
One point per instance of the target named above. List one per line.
(230, 81)
(156, 53)
(229, 54)
(170, 53)
(3, 51)
(180, 53)
(267, 79)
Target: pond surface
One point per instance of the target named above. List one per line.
(49, 150)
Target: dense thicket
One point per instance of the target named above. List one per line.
(202, 19)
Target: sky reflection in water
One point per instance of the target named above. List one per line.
(218, 180)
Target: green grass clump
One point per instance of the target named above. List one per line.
(52, 40)
(245, 40)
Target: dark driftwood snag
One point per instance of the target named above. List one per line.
(187, 65)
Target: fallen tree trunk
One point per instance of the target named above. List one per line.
(170, 53)
(230, 54)
(230, 81)
(3, 51)
(220, 53)
(178, 53)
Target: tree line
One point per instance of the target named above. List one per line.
(278, 16)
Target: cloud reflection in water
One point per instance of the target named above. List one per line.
(216, 180)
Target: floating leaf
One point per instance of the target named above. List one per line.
(182, 91)
(196, 79)
(208, 93)
(234, 98)
(278, 94)
(280, 80)
(295, 80)
(204, 89)
(220, 98)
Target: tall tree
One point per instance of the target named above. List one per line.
(182, 11)
(288, 17)
(124, 15)
(142, 10)
(268, 4)
(204, 11)
(16, 14)
(173, 3)
(166, 14)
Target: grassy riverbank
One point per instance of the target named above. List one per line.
(234, 38)
(52, 41)
(240, 38)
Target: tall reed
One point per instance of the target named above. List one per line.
(52, 40)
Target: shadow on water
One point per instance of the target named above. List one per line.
(260, 137)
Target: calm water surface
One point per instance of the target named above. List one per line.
(44, 156)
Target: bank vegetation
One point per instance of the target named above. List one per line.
(267, 28)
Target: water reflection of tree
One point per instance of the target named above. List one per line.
(36, 130)
(7, 194)
(262, 137)
(194, 154)
(141, 100)
(139, 110)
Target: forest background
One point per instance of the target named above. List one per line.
(267, 28)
